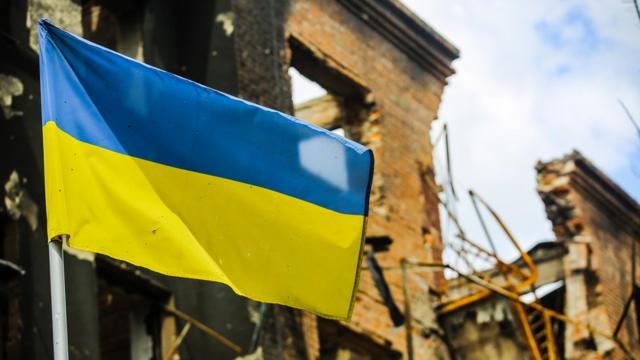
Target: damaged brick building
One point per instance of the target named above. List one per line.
(586, 280)
(384, 71)
(599, 224)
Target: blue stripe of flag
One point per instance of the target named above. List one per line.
(117, 103)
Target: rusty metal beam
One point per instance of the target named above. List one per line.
(204, 328)
(467, 300)
(526, 328)
(523, 254)
(551, 340)
(462, 235)
(178, 341)
(515, 297)
(482, 223)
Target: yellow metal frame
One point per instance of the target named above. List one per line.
(551, 341)
(512, 292)
(551, 314)
(528, 332)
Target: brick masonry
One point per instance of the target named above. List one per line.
(405, 100)
(598, 222)
(243, 47)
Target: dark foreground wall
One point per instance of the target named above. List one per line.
(384, 70)
(117, 312)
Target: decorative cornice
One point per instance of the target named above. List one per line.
(610, 197)
(557, 178)
(407, 32)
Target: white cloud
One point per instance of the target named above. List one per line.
(534, 81)
(302, 88)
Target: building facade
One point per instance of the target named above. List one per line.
(586, 279)
(384, 71)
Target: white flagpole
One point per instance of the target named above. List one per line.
(58, 299)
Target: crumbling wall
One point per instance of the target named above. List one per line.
(187, 40)
(599, 223)
(262, 73)
(64, 13)
(400, 100)
(485, 330)
(22, 220)
(241, 47)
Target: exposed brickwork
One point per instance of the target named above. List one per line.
(310, 328)
(259, 51)
(599, 222)
(405, 99)
(248, 54)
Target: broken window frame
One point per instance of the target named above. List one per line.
(353, 99)
(140, 289)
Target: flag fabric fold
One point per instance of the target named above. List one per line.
(147, 167)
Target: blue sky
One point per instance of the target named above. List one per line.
(535, 80)
(574, 31)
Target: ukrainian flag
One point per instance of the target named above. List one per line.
(164, 173)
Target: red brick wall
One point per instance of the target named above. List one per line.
(591, 212)
(407, 99)
(610, 262)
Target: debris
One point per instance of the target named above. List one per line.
(10, 86)
(226, 20)
(17, 201)
(65, 13)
